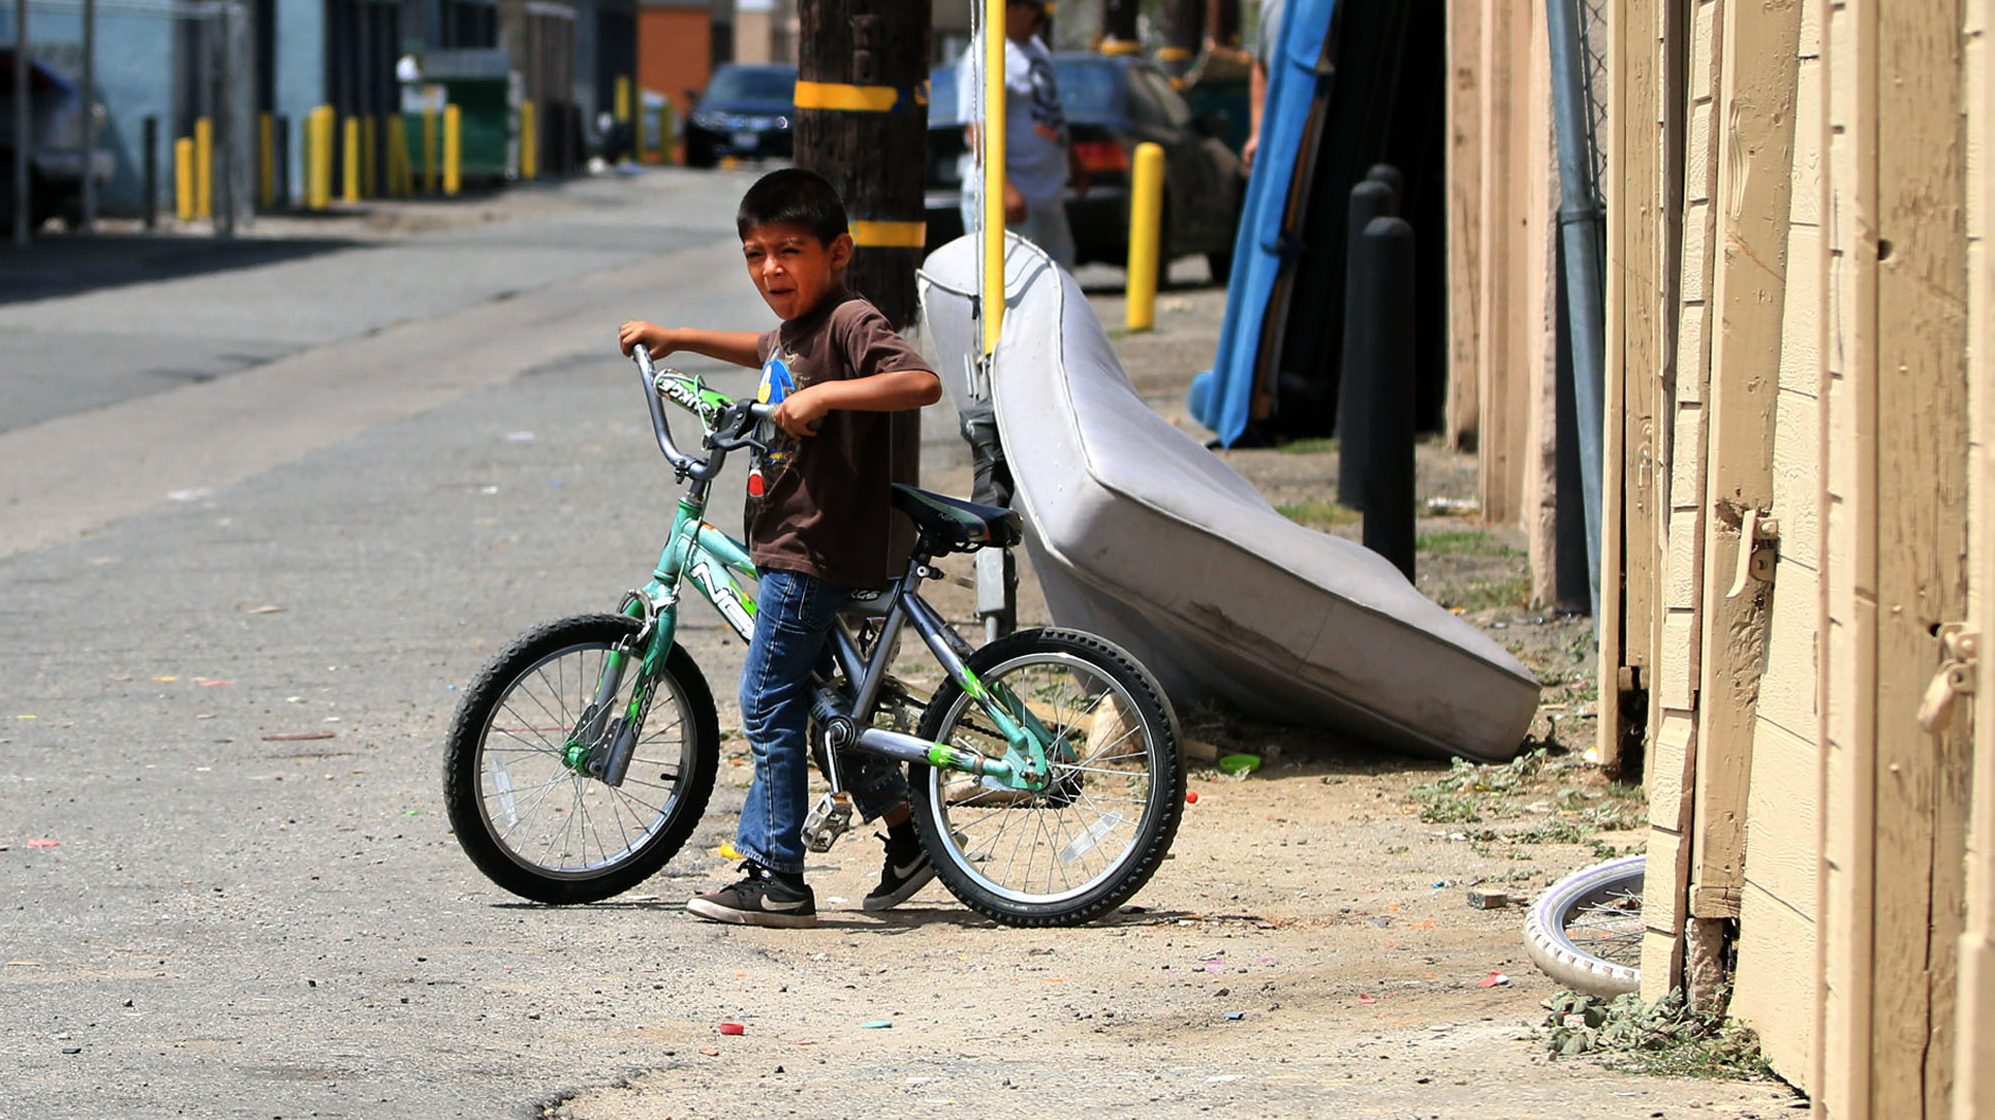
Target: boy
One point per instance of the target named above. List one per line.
(819, 527)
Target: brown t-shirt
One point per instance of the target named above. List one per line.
(819, 505)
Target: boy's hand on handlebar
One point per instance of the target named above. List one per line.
(801, 413)
(656, 340)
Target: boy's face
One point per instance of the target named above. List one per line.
(793, 269)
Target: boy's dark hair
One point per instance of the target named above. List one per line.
(793, 196)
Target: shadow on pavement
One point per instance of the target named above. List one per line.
(52, 267)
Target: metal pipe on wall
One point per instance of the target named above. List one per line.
(23, 126)
(1579, 228)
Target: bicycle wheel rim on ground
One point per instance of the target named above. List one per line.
(539, 829)
(1083, 846)
(1586, 930)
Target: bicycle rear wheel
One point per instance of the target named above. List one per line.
(1585, 931)
(1082, 846)
(538, 828)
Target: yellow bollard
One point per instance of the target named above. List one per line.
(398, 157)
(992, 291)
(350, 163)
(183, 179)
(529, 142)
(453, 135)
(204, 168)
(370, 165)
(623, 99)
(1146, 214)
(429, 151)
(266, 144)
(318, 188)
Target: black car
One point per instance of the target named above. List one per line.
(1112, 103)
(745, 112)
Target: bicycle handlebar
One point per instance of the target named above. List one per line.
(740, 433)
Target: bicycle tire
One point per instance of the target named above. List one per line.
(1612, 890)
(963, 824)
(481, 795)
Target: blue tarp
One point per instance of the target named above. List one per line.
(1266, 246)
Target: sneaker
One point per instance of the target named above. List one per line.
(907, 870)
(759, 899)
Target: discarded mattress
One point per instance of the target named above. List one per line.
(1140, 534)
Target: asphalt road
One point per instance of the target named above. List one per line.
(382, 460)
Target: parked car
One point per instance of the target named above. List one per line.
(56, 108)
(1112, 103)
(745, 112)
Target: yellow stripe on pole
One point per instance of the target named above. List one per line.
(846, 98)
(1173, 54)
(991, 301)
(1121, 47)
(890, 235)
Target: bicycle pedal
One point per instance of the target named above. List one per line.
(827, 821)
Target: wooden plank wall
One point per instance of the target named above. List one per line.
(1974, 1055)
(1755, 104)
(1640, 299)
(1500, 345)
(1534, 268)
(1673, 701)
(1464, 169)
(1895, 800)
(1775, 981)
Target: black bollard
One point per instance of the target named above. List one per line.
(1370, 200)
(1385, 253)
(149, 169)
(1390, 176)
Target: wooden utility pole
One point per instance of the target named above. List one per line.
(1118, 27)
(1184, 32)
(862, 123)
(1223, 23)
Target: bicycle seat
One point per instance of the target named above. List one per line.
(954, 525)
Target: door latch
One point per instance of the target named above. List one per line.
(1759, 539)
(1957, 676)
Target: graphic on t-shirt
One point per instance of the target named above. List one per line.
(769, 464)
(1047, 119)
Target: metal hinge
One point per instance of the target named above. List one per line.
(1759, 538)
(1957, 676)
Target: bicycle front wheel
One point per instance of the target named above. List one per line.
(537, 827)
(1586, 930)
(1087, 842)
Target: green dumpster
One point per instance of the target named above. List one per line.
(482, 84)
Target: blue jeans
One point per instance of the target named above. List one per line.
(793, 618)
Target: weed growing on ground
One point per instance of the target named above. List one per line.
(1562, 799)
(1318, 513)
(1513, 592)
(1309, 446)
(1665, 1038)
(1462, 542)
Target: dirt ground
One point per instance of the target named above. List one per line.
(1307, 950)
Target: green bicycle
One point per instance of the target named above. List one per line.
(1046, 772)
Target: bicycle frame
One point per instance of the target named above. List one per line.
(696, 550)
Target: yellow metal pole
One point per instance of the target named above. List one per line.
(623, 99)
(322, 140)
(266, 159)
(992, 299)
(183, 179)
(350, 169)
(308, 147)
(1146, 217)
(370, 164)
(429, 151)
(204, 168)
(398, 156)
(668, 126)
(453, 135)
(529, 142)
